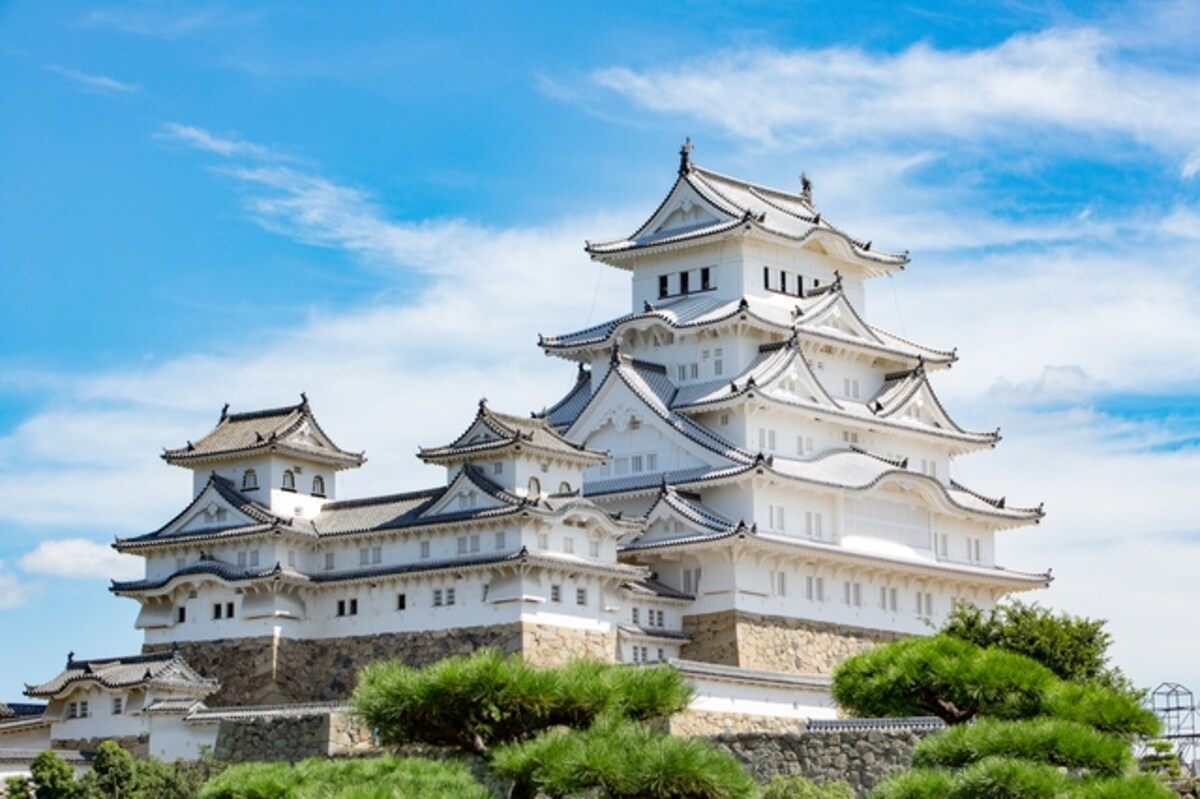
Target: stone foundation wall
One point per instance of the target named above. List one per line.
(543, 645)
(703, 723)
(775, 643)
(292, 738)
(268, 671)
(863, 758)
(136, 745)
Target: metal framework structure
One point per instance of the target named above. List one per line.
(1175, 707)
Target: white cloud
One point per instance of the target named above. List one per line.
(146, 22)
(200, 139)
(94, 83)
(1065, 80)
(13, 592)
(80, 558)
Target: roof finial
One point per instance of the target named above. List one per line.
(685, 156)
(482, 403)
(615, 358)
(837, 280)
(303, 399)
(805, 187)
(225, 412)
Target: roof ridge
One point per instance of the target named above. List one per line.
(382, 499)
(245, 416)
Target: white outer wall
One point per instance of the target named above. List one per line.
(172, 738)
(718, 696)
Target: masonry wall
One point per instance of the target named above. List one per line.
(775, 643)
(292, 738)
(267, 671)
(863, 758)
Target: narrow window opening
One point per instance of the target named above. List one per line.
(289, 480)
(663, 286)
(318, 488)
(705, 279)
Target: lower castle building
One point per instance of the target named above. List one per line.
(745, 478)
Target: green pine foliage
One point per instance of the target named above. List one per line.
(52, 777)
(1054, 741)
(625, 760)
(374, 778)
(473, 703)
(795, 787)
(1007, 778)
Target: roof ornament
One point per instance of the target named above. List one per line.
(817, 219)
(225, 412)
(190, 446)
(837, 274)
(303, 400)
(805, 187)
(647, 307)
(685, 157)
(483, 403)
(615, 357)
(743, 304)
(867, 246)
(919, 369)
(70, 658)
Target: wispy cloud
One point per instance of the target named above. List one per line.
(200, 139)
(80, 558)
(99, 84)
(165, 25)
(1069, 81)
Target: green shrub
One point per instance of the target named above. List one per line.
(625, 760)
(375, 778)
(52, 777)
(796, 787)
(17, 787)
(917, 784)
(1108, 710)
(1053, 741)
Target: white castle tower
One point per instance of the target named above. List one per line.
(791, 461)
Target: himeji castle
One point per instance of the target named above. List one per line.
(746, 479)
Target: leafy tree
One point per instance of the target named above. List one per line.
(1033, 734)
(52, 777)
(17, 787)
(1072, 647)
(112, 773)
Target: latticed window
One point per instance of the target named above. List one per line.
(318, 488)
(289, 480)
(249, 480)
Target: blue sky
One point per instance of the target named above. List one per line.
(384, 204)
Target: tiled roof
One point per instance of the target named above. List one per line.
(690, 509)
(241, 434)
(167, 670)
(26, 756)
(298, 710)
(695, 668)
(263, 519)
(186, 705)
(206, 566)
(742, 203)
(804, 319)
(655, 589)
(652, 632)
(900, 723)
(491, 432)
(347, 516)
(562, 413)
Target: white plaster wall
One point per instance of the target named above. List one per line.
(172, 738)
(36, 738)
(100, 722)
(723, 258)
(790, 702)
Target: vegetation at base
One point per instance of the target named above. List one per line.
(1072, 647)
(625, 760)
(1034, 732)
(116, 774)
(795, 787)
(576, 729)
(320, 778)
(473, 703)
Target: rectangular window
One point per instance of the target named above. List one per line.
(180, 563)
(724, 420)
(216, 610)
(652, 462)
(691, 581)
(543, 540)
(254, 558)
(974, 550)
(118, 706)
(401, 602)
(849, 437)
(766, 277)
(437, 597)
(581, 596)
(633, 615)
(778, 584)
(852, 594)
(556, 593)
(814, 589)
(486, 587)
(569, 545)
(241, 560)
(593, 549)
(474, 541)
(498, 467)
(83, 709)
(636, 464)
(783, 282)
(291, 558)
(180, 614)
(499, 540)
(376, 554)
(813, 525)
(328, 561)
(229, 610)
(705, 279)
(924, 603)
(364, 556)
(449, 596)
(424, 549)
(775, 515)
(341, 607)
(682, 371)
(694, 369)
(663, 286)
(683, 282)
(942, 541)
(462, 545)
